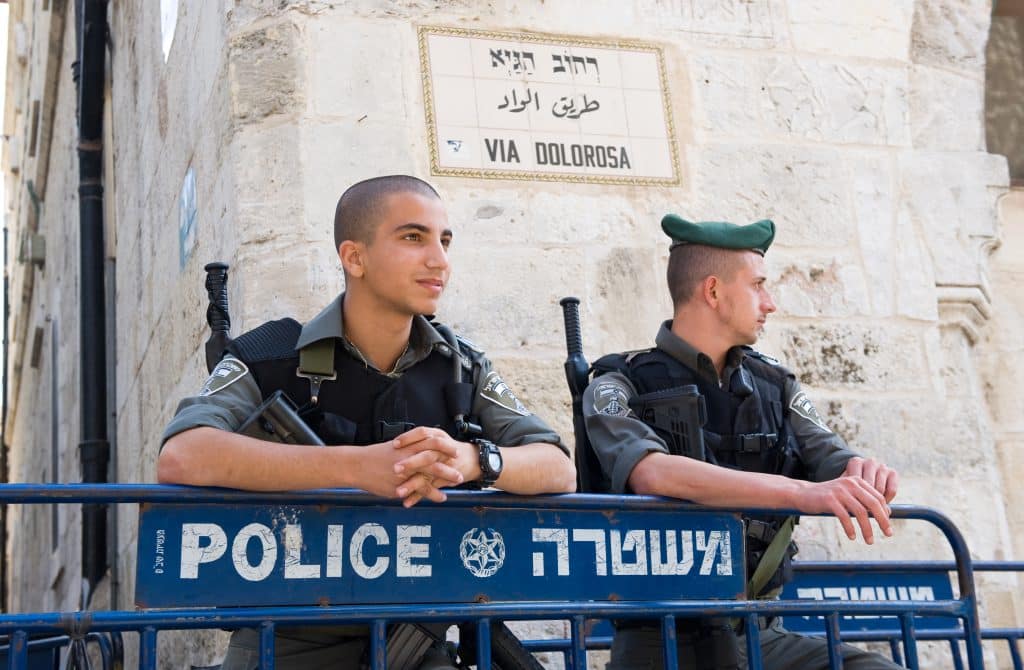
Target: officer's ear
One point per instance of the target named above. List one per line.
(352, 255)
(711, 290)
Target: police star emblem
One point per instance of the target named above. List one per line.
(482, 551)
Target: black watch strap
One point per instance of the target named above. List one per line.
(491, 462)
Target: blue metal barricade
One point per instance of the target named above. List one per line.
(216, 558)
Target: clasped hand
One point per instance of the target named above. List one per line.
(418, 464)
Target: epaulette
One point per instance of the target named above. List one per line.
(764, 357)
(618, 362)
(468, 352)
(273, 340)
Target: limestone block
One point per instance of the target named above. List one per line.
(626, 300)
(857, 29)
(790, 98)
(851, 355)
(758, 24)
(347, 62)
(507, 301)
(950, 33)
(547, 215)
(265, 72)
(946, 110)
(915, 291)
(873, 193)
(267, 183)
(1004, 70)
(950, 198)
(818, 286)
(1011, 467)
(803, 189)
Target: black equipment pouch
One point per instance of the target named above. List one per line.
(680, 413)
(277, 420)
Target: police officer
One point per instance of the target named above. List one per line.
(764, 444)
(409, 408)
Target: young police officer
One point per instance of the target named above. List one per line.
(764, 443)
(376, 380)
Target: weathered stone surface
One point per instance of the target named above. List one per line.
(946, 110)
(756, 25)
(802, 189)
(843, 355)
(949, 198)
(858, 28)
(801, 98)
(1004, 70)
(827, 286)
(950, 33)
(265, 72)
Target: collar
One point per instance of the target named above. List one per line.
(330, 323)
(698, 361)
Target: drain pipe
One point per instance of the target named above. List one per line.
(94, 449)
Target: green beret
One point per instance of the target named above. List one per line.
(756, 236)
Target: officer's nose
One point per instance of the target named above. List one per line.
(768, 303)
(437, 256)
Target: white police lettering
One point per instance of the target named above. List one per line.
(635, 552)
(356, 552)
(408, 550)
(865, 593)
(294, 568)
(240, 552)
(200, 543)
(207, 542)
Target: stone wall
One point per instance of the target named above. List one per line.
(857, 126)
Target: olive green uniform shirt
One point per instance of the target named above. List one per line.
(504, 419)
(621, 440)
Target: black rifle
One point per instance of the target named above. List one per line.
(278, 420)
(589, 477)
(217, 313)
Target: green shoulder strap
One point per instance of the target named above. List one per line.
(772, 558)
(316, 363)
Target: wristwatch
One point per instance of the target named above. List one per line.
(490, 461)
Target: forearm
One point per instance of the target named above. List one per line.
(707, 484)
(536, 468)
(211, 457)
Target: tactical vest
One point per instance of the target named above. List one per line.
(747, 426)
(362, 405)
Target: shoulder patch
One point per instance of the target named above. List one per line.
(227, 372)
(611, 399)
(800, 404)
(497, 391)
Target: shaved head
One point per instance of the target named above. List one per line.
(360, 208)
(690, 264)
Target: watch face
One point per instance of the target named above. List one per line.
(494, 461)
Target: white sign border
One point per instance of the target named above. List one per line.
(563, 40)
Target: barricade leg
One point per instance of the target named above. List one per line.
(579, 643)
(379, 644)
(897, 655)
(909, 641)
(18, 650)
(835, 654)
(753, 636)
(147, 648)
(483, 643)
(1015, 653)
(267, 645)
(670, 643)
(958, 659)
